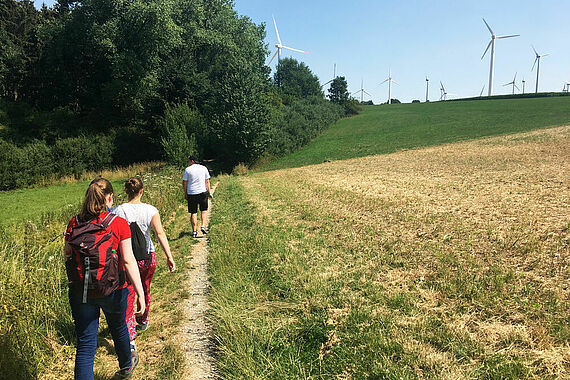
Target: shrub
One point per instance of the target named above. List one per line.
(176, 143)
(240, 169)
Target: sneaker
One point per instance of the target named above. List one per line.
(204, 230)
(142, 327)
(194, 234)
(127, 373)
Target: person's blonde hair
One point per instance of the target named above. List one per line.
(132, 187)
(95, 203)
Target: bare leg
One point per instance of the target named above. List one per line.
(204, 218)
(194, 221)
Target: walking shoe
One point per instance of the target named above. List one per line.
(194, 234)
(127, 373)
(142, 326)
(204, 230)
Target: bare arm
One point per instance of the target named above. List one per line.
(208, 189)
(133, 273)
(184, 187)
(156, 225)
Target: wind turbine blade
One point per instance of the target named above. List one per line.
(536, 59)
(274, 55)
(385, 81)
(535, 52)
(517, 87)
(544, 55)
(300, 51)
(395, 82)
(488, 46)
(276, 31)
(515, 78)
(366, 93)
(488, 27)
(509, 36)
(507, 84)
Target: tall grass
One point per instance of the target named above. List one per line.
(35, 319)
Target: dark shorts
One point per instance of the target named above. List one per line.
(197, 199)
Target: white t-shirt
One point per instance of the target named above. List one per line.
(196, 175)
(141, 213)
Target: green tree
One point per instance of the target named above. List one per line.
(295, 78)
(176, 141)
(338, 91)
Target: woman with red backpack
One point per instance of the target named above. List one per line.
(97, 254)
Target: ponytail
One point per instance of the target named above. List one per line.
(95, 203)
(133, 186)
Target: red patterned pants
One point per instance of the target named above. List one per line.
(146, 270)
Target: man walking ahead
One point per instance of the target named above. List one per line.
(196, 185)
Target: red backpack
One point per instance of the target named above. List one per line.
(93, 268)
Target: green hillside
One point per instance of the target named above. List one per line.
(386, 129)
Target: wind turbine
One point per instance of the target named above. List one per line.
(523, 82)
(537, 59)
(362, 91)
(427, 89)
(389, 80)
(280, 46)
(492, 45)
(442, 91)
(334, 76)
(513, 83)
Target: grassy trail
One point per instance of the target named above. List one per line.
(446, 262)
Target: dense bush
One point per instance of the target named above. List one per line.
(294, 125)
(177, 143)
(26, 165)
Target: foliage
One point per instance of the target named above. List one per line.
(296, 79)
(26, 165)
(338, 91)
(294, 125)
(179, 141)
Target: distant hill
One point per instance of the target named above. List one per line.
(386, 129)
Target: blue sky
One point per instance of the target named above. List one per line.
(441, 39)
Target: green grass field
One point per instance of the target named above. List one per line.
(32, 203)
(387, 129)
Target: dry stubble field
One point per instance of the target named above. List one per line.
(463, 248)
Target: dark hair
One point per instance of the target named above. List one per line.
(193, 157)
(94, 202)
(132, 186)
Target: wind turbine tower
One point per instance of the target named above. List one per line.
(492, 46)
(443, 92)
(280, 46)
(362, 91)
(537, 59)
(523, 82)
(389, 80)
(427, 89)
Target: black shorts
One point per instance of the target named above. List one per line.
(197, 199)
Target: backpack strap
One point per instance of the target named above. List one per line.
(108, 220)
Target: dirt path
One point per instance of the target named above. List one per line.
(196, 331)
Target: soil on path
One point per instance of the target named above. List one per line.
(196, 333)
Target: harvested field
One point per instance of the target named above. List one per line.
(446, 262)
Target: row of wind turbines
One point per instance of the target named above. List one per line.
(443, 92)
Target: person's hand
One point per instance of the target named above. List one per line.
(171, 265)
(186, 196)
(210, 196)
(140, 307)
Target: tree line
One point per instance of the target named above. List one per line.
(122, 81)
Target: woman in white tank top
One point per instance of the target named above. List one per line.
(147, 217)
